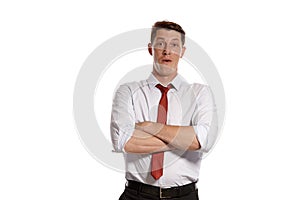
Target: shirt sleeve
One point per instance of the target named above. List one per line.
(204, 119)
(122, 118)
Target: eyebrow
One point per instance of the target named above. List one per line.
(160, 38)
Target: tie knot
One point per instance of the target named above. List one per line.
(162, 88)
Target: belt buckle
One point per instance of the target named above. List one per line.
(161, 194)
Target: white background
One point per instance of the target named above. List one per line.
(255, 46)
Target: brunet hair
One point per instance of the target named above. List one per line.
(167, 25)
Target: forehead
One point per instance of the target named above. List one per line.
(167, 34)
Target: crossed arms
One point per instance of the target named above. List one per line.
(149, 137)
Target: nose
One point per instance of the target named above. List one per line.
(166, 50)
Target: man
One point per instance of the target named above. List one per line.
(162, 124)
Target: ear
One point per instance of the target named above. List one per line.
(182, 52)
(150, 49)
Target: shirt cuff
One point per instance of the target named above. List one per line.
(201, 131)
(126, 135)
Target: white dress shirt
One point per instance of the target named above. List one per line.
(188, 105)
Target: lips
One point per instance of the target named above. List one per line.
(166, 60)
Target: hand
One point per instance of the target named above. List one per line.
(150, 127)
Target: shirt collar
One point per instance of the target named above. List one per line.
(176, 82)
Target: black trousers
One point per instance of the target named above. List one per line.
(131, 194)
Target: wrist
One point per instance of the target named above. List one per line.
(152, 128)
(155, 128)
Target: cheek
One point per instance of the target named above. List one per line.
(156, 55)
(176, 58)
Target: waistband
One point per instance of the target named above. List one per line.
(162, 193)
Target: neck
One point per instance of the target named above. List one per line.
(164, 79)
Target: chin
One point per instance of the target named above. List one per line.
(165, 70)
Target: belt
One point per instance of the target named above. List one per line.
(162, 192)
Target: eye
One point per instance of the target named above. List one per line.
(174, 45)
(159, 44)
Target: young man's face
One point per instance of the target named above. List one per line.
(166, 50)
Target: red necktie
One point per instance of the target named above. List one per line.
(158, 158)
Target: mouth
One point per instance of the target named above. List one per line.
(166, 60)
